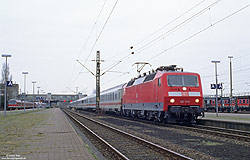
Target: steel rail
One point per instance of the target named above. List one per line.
(242, 135)
(233, 134)
(158, 147)
(222, 132)
(239, 132)
(119, 154)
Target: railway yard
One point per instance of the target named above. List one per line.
(125, 80)
(59, 134)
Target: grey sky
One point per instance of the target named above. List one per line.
(45, 37)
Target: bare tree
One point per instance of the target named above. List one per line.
(8, 76)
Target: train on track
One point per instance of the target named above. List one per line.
(18, 104)
(14, 104)
(227, 104)
(167, 94)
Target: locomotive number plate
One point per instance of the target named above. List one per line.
(184, 101)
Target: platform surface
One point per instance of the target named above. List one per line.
(53, 138)
(231, 117)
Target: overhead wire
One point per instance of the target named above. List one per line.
(175, 28)
(223, 72)
(101, 31)
(199, 32)
(86, 42)
(178, 17)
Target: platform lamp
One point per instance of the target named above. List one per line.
(24, 87)
(231, 80)
(216, 83)
(5, 82)
(33, 82)
(38, 96)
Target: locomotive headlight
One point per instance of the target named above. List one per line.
(172, 100)
(197, 100)
(184, 88)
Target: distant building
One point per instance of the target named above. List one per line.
(52, 100)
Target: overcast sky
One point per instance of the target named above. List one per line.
(46, 37)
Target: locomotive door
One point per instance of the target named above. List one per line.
(155, 93)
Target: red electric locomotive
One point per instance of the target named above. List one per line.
(167, 94)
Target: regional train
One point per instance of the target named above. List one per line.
(14, 104)
(18, 104)
(226, 104)
(167, 94)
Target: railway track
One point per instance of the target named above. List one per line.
(216, 131)
(123, 145)
(220, 132)
(228, 133)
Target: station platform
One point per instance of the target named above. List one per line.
(53, 138)
(60, 140)
(229, 117)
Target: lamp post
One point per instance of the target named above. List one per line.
(38, 97)
(216, 83)
(5, 82)
(231, 80)
(33, 82)
(38, 90)
(24, 87)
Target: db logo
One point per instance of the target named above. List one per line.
(184, 93)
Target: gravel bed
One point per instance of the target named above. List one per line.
(128, 147)
(191, 144)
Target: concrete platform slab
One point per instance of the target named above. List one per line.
(230, 117)
(53, 138)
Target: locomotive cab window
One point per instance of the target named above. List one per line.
(183, 80)
(11, 102)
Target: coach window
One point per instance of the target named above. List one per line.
(243, 100)
(115, 96)
(159, 82)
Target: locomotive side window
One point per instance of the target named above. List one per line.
(182, 80)
(159, 82)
